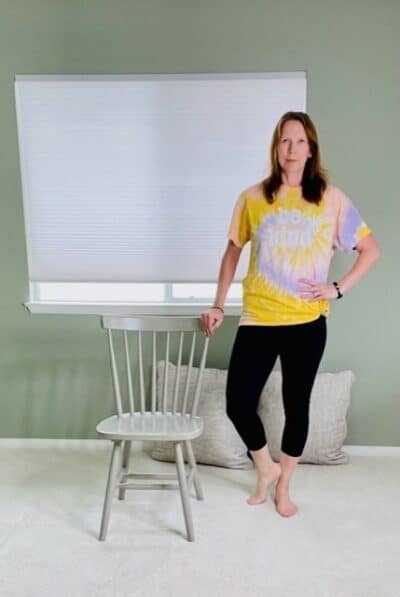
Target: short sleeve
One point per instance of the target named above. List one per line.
(239, 229)
(351, 227)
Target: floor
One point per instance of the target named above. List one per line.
(344, 542)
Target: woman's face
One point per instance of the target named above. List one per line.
(293, 148)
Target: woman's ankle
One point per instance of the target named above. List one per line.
(261, 458)
(283, 485)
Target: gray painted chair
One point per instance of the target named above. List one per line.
(172, 416)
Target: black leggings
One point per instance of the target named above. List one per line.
(255, 350)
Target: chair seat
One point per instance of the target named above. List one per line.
(151, 426)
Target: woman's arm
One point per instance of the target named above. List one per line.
(213, 317)
(368, 254)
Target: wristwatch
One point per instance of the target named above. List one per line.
(339, 294)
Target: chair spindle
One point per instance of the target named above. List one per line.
(153, 374)
(116, 387)
(129, 374)
(189, 373)
(177, 374)
(141, 375)
(199, 378)
(165, 381)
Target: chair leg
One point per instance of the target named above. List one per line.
(126, 453)
(193, 465)
(180, 465)
(112, 475)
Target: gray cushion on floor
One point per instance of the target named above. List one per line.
(220, 444)
(330, 400)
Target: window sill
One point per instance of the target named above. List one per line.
(103, 308)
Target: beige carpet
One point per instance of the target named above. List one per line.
(344, 542)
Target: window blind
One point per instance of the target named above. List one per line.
(134, 178)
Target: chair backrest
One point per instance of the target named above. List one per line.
(181, 335)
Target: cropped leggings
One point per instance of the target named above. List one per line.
(255, 350)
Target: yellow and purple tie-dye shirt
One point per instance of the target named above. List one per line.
(290, 239)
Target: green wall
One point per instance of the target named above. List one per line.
(53, 380)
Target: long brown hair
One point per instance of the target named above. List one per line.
(315, 176)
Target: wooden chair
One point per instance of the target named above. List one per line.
(171, 416)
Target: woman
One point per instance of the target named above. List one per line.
(295, 221)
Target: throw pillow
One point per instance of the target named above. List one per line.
(330, 400)
(219, 444)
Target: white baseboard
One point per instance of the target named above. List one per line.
(102, 444)
(57, 444)
(365, 450)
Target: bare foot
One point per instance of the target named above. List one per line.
(283, 503)
(263, 482)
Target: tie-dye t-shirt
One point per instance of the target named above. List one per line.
(290, 239)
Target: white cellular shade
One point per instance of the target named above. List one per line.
(134, 178)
